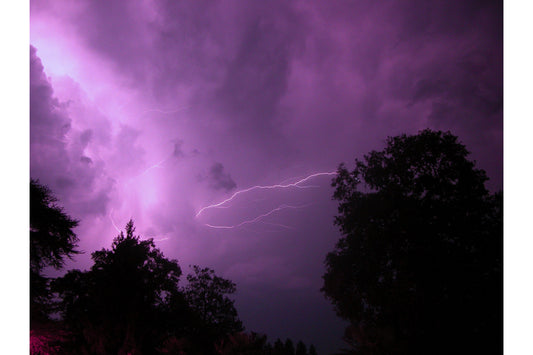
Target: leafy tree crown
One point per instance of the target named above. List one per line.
(421, 241)
(52, 238)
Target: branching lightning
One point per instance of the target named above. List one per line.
(296, 184)
(260, 217)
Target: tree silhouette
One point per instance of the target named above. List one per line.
(206, 294)
(289, 347)
(51, 235)
(120, 305)
(419, 266)
(301, 349)
(243, 344)
(278, 347)
(129, 302)
(52, 239)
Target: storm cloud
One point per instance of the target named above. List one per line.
(155, 110)
(219, 179)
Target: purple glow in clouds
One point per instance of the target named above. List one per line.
(152, 110)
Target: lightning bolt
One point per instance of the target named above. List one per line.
(278, 224)
(113, 222)
(258, 218)
(157, 165)
(266, 187)
(164, 111)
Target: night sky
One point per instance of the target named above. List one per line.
(155, 110)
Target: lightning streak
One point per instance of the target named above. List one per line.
(258, 218)
(164, 111)
(158, 165)
(278, 224)
(113, 222)
(269, 187)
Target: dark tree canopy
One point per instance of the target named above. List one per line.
(289, 347)
(134, 273)
(278, 347)
(123, 303)
(301, 349)
(51, 230)
(52, 239)
(130, 302)
(207, 295)
(419, 266)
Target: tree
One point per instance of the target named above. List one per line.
(301, 349)
(52, 239)
(206, 294)
(243, 344)
(126, 301)
(418, 268)
(51, 230)
(278, 348)
(289, 347)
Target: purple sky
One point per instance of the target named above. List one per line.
(154, 110)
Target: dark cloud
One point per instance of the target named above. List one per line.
(48, 119)
(97, 202)
(256, 79)
(85, 137)
(274, 90)
(49, 124)
(178, 150)
(219, 179)
(86, 160)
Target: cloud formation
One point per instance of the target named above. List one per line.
(138, 99)
(219, 179)
(59, 152)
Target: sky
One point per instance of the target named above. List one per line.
(156, 110)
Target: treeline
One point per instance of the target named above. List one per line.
(418, 270)
(130, 300)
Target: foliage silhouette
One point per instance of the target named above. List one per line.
(121, 304)
(289, 347)
(301, 349)
(418, 268)
(129, 302)
(52, 239)
(206, 294)
(51, 235)
(243, 344)
(278, 347)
